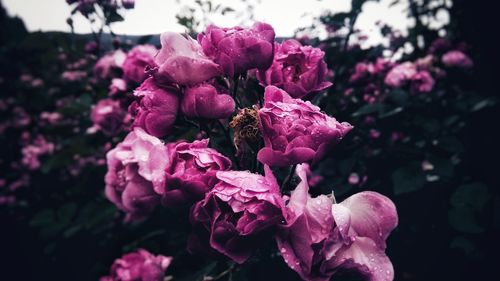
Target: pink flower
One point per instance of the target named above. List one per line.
(136, 171)
(295, 131)
(457, 59)
(109, 65)
(299, 70)
(422, 82)
(156, 109)
(108, 116)
(207, 101)
(32, 152)
(136, 61)
(181, 60)
(138, 266)
(321, 237)
(191, 171)
(239, 49)
(73, 75)
(399, 75)
(117, 87)
(235, 213)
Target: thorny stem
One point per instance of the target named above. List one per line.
(289, 177)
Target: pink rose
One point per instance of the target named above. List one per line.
(207, 101)
(136, 61)
(422, 82)
(136, 171)
(156, 109)
(458, 59)
(322, 237)
(295, 131)
(191, 171)
(399, 75)
(181, 60)
(108, 116)
(239, 49)
(138, 266)
(299, 70)
(109, 65)
(235, 213)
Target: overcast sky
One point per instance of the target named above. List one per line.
(156, 16)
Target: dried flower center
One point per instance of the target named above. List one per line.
(246, 126)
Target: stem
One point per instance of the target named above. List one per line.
(289, 177)
(235, 91)
(228, 139)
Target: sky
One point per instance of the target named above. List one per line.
(156, 16)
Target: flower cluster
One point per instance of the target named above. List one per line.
(236, 198)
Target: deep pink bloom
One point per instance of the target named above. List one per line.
(136, 61)
(295, 131)
(458, 59)
(239, 49)
(136, 171)
(32, 152)
(181, 60)
(399, 75)
(299, 70)
(422, 82)
(108, 116)
(138, 266)
(73, 75)
(117, 87)
(109, 65)
(156, 108)
(207, 101)
(235, 212)
(321, 238)
(191, 171)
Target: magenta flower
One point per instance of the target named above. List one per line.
(181, 60)
(109, 65)
(136, 61)
(239, 49)
(295, 131)
(234, 214)
(108, 116)
(117, 87)
(156, 109)
(457, 59)
(399, 75)
(321, 238)
(136, 172)
(207, 101)
(299, 70)
(138, 266)
(422, 82)
(191, 171)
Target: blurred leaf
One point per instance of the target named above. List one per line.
(468, 201)
(474, 195)
(463, 244)
(408, 179)
(368, 109)
(464, 220)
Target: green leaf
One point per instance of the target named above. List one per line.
(464, 220)
(474, 195)
(368, 109)
(408, 179)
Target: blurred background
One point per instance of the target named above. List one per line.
(434, 152)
